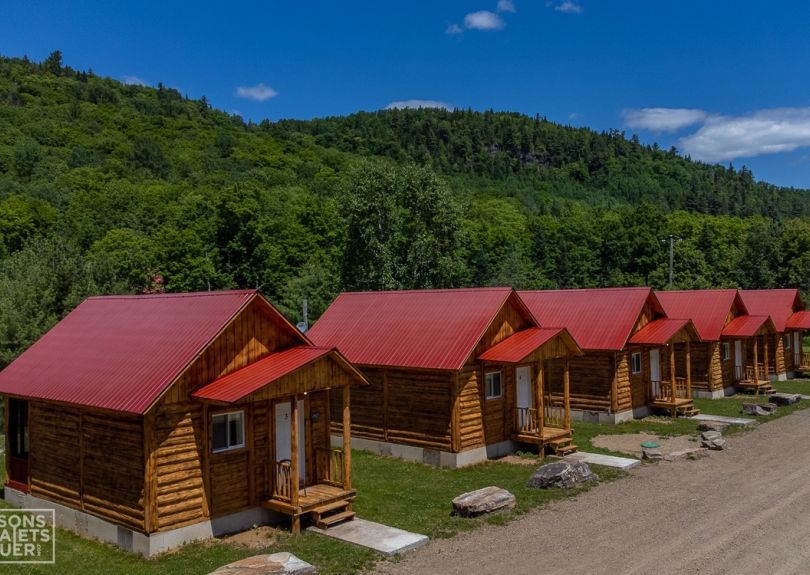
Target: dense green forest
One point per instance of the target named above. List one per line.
(112, 188)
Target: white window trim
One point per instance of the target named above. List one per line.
(633, 356)
(226, 415)
(725, 352)
(500, 385)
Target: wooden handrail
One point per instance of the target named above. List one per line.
(527, 420)
(329, 465)
(801, 359)
(554, 415)
(283, 480)
(662, 390)
(755, 373)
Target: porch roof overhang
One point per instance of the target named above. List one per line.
(799, 320)
(662, 330)
(241, 383)
(520, 345)
(748, 326)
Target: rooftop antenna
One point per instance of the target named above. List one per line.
(303, 326)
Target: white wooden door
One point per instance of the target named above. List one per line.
(523, 375)
(284, 435)
(655, 373)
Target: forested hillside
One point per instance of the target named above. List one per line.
(110, 188)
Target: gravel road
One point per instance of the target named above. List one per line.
(744, 510)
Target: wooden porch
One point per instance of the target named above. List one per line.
(801, 361)
(674, 395)
(548, 427)
(752, 378)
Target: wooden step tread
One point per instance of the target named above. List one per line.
(559, 440)
(330, 507)
(565, 450)
(326, 522)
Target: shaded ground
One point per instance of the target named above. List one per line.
(744, 510)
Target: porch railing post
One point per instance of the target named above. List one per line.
(672, 382)
(294, 452)
(756, 359)
(347, 439)
(538, 389)
(567, 394)
(688, 370)
(766, 366)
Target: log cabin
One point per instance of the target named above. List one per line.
(153, 420)
(786, 308)
(456, 376)
(636, 359)
(734, 345)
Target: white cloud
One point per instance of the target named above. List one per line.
(260, 92)
(759, 133)
(417, 104)
(663, 119)
(483, 20)
(454, 29)
(506, 6)
(134, 81)
(569, 7)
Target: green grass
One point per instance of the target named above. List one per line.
(801, 386)
(411, 496)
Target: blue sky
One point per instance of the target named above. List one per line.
(725, 81)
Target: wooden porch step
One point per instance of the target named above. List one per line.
(565, 449)
(329, 520)
(562, 445)
(335, 505)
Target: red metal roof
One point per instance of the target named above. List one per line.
(519, 345)
(708, 309)
(431, 329)
(242, 382)
(777, 303)
(747, 325)
(659, 331)
(600, 319)
(121, 352)
(799, 320)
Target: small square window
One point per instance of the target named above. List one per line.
(635, 362)
(726, 353)
(492, 384)
(227, 431)
(787, 341)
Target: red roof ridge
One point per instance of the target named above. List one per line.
(428, 290)
(175, 294)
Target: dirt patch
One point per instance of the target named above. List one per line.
(256, 538)
(631, 442)
(518, 460)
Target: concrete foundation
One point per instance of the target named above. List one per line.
(133, 541)
(429, 456)
(603, 416)
(778, 376)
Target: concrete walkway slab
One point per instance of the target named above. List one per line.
(382, 538)
(722, 419)
(606, 460)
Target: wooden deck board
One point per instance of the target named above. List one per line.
(311, 497)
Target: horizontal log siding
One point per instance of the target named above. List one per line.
(591, 376)
(471, 401)
(54, 453)
(180, 444)
(89, 460)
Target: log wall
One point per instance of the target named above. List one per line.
(591, 378)
(89, 460)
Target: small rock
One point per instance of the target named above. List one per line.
(561, 474)
(653, 453)
(284, 563)
(758, 408)
(712, 440)
(712, 426)
(694, 453)
(710, 435)
(485, 500)
(784, 398)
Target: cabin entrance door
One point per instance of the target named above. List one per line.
(18, 443)
(523, 375)
(655, 374)
(283, 438)
(738, 360)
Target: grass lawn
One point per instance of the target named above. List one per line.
(406, 495)
(801, 386)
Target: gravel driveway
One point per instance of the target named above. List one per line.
(745, 510)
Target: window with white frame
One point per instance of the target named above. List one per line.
(787, 341)
(492, 384)
(227, 431)
(635, 362)
(726, 353)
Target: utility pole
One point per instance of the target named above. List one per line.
(672, 239)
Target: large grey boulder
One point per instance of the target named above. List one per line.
(285, 563)
(561, 474)
(784, 398)
(758, 408)
(712, 426)
(694, 453)
(712, 440)
(484, 500)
